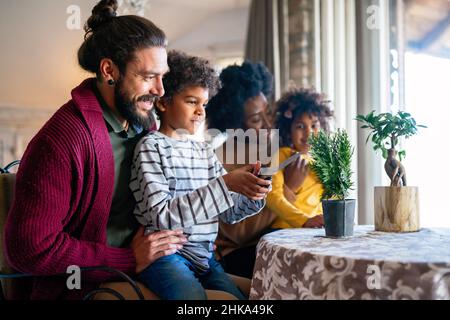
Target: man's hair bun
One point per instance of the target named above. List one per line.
(116, 37)
(103, 12)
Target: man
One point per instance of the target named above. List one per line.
(72, 201)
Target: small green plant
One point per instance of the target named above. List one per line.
(386, 129)
(332, 159)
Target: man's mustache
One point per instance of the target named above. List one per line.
(147, 98)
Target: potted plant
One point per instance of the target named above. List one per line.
(331, 162)
(396, 206)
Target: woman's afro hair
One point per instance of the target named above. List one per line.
(239, 83)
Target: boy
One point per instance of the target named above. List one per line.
(180, 183)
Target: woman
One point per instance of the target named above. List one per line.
(241, 103)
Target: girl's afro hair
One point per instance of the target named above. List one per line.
(296, 102)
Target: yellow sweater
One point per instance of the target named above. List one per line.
(307, 202)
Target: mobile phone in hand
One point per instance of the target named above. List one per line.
(265, 173)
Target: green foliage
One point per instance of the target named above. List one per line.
(332, 158)
(386, 129)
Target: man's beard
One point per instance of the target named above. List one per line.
(129, 110)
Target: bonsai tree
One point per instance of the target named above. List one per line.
(332, 157)
(386, 129)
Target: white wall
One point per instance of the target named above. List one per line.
(220, 36)
(38, 56)
(38, 64)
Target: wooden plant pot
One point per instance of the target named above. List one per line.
(397, 209)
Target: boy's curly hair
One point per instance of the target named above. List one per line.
(188, 71)
(239, 83)
(296, 102)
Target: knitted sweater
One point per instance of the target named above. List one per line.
(62, 201)
(179, 184)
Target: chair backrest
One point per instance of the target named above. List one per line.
(13, 289)
(7, 181)
(20, 289)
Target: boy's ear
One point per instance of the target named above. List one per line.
(161, 105)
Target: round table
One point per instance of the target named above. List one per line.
(304, 264)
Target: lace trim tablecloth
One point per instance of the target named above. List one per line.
(303, 264)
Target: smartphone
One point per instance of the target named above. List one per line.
(267, 173)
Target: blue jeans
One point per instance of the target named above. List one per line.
(175, 278)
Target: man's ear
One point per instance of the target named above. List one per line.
(108, 70)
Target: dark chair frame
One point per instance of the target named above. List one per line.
(91, 294)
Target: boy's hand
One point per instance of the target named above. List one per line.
(243, 181)
(147, 249)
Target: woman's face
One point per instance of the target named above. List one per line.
(256, 113)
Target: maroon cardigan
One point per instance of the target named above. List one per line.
(62, 201)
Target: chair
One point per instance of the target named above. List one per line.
(16, 286)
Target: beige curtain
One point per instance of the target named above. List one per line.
(285, 36)
(267, 39)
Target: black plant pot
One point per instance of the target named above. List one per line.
(339, 217)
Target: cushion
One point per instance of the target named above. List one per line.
(128, 292)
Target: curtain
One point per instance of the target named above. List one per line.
(267, 39)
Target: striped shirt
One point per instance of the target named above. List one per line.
(179, 185)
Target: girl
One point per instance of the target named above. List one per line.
(296, 192)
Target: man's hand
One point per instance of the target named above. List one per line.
(149, 248)
(295, 174)
(243, 181)
(315, 222)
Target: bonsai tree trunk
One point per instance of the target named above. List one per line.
(395, 170)
(397, 206)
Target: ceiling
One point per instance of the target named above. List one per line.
(215, 5)
(180, 17)
(38, 61)
(428, 26)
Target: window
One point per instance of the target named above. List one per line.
(427, 154)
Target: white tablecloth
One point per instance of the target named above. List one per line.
(303, 264)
